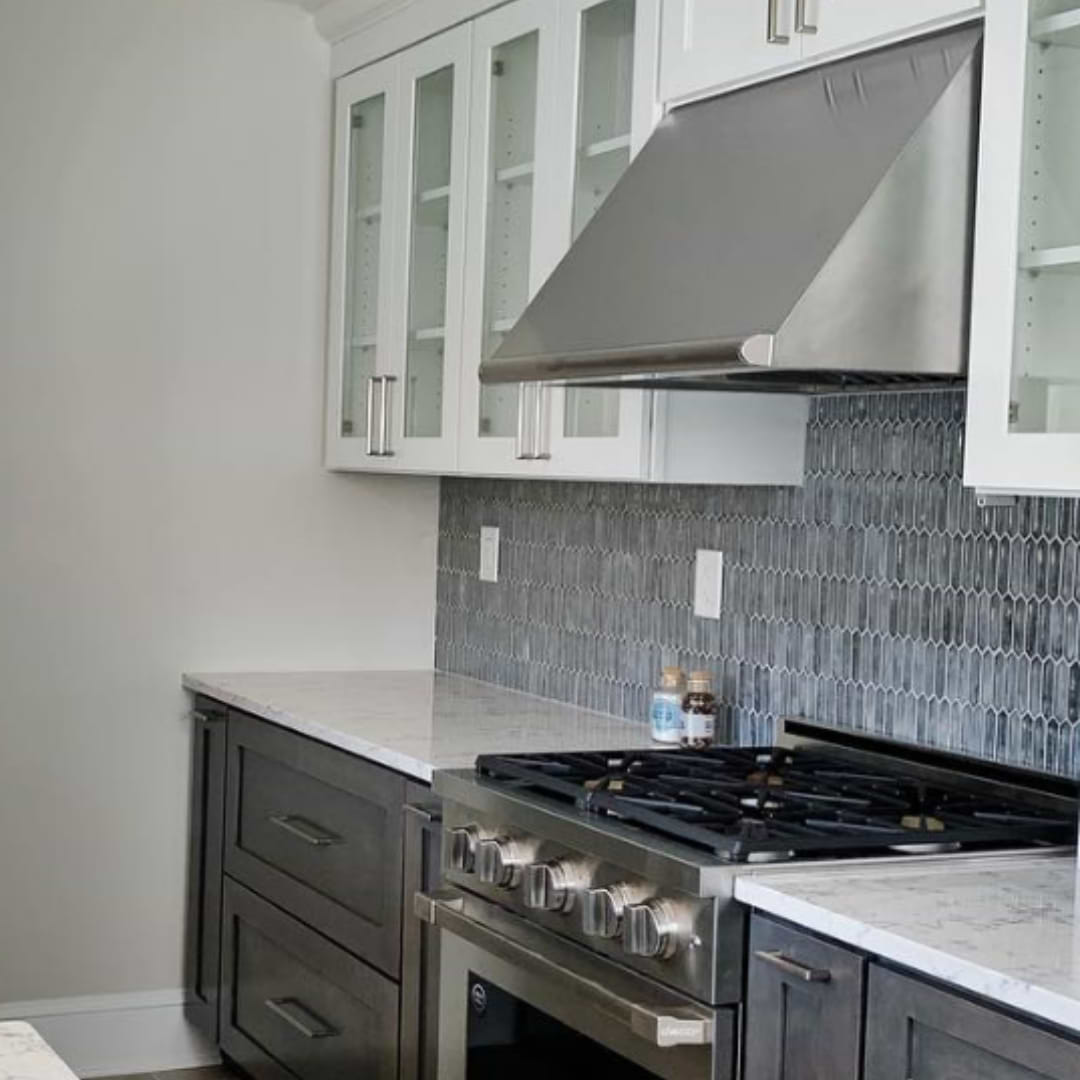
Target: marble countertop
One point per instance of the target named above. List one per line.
(1003, 926)
(25, 1055)
(417, 721)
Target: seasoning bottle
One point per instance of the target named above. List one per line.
(698, 711)
(665, 713)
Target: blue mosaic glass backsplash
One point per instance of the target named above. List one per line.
(877, 597)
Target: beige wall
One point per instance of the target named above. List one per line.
(163, 201)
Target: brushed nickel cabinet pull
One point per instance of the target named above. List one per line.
(305, 830)
(792, 967)
(772, 33)
(300, 1018)
(802, 23)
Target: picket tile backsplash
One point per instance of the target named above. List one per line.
(878, 597)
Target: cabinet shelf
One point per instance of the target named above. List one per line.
(436, 194)
(1061, 260)
(502, 326)
(1060, 29)
(514, 172)
(364, 342)
(606, 146)
(368, 213)
(430, 333)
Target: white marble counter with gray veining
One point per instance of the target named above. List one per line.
(417, 721)
(25, 1055)
(1003, 926)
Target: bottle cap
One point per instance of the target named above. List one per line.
(700, 682)
(671, 676)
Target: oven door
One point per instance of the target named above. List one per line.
(517, 1001)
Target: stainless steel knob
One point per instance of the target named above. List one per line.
(462, 844)
(552, 886)
(499, 862)
(602, 910)
(652, 929)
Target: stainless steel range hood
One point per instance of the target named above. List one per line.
(812, 233)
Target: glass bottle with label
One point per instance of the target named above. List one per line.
(665, 713)
(698, 711)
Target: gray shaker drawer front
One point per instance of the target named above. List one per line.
(295, 1005)
(804, 1006)
(319, 832)
(915, 1031)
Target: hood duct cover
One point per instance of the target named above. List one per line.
(811, 232)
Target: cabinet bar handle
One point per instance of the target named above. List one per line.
(305, 830)
(300, 1018)
(522, 450)
(385, 424)
(540, 451)
(793, 967)
(772, 33)
(372, 383)
(802, 23)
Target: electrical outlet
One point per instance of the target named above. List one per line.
(708, 584)
(489, 553)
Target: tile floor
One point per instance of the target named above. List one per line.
(211, 1072)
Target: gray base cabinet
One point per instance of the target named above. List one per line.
(804, 1001)
(304, 958)
(915, 1031)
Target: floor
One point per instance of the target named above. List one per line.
(212, 1072)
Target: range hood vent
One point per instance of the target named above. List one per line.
(811, 233)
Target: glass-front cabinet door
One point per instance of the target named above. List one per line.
(397, 262)
(1024, 390)
(427, 329)
(503, 428)
(362, 258)
(608, 55)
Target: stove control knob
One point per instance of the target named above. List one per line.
(653, 929)
(462, 844)
(552, 886)
(500, 861)
(602, 910)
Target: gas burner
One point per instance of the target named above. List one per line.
(745, 804)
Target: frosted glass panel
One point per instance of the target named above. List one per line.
(1046, 369)
(509, 222)
(366, 131)
(603, 153)
(424, 364)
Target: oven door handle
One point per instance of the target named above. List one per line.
(678, 1026)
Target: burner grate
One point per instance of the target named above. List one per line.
(743, 802)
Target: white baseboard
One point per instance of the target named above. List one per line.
(117, 1034)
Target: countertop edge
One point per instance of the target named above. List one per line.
(1046, 1005)
(381, 755)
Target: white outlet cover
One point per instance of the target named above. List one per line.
(489, 553)
(708, 584)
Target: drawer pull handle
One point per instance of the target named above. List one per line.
(305, 830)
(300, 1018)
(793, 967)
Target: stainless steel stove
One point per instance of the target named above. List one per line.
(594, 891)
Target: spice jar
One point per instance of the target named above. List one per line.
(698, 711)
(665, 712)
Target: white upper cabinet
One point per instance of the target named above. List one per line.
(837, 26)
(398, 260)
(710, 45)
(362, 265)
(707, 45)
(510, 250)
(1023, 428)
(608, 108)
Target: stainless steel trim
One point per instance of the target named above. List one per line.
(306, 830)
(386, 420)
(772, 30)
(680, 1026)
(301, 1018)
(422, 826)
(793, 967)
(373, 382)
(802, 22)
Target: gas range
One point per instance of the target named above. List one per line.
(633, 855)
